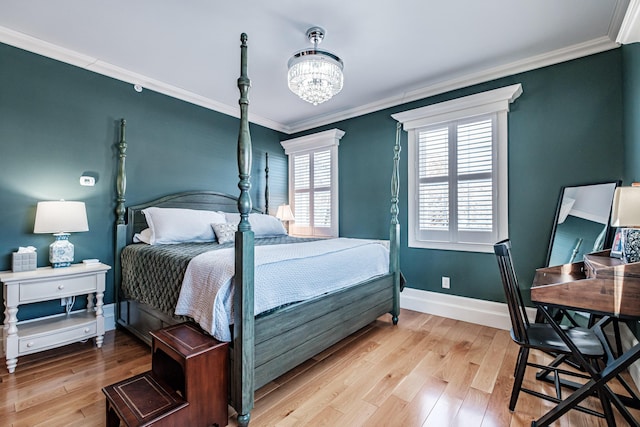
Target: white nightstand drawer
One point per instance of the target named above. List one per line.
(54, 339)
(57, 288)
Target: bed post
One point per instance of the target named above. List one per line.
(243, 328)
(266, 184)
(394, 232)
(121, 228)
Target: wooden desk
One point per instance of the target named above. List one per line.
(600, 285)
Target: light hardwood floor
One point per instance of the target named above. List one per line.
(427, 371)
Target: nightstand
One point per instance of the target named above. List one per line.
(43, 284)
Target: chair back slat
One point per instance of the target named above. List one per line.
(517, 309)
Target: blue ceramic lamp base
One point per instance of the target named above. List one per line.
(61, 251)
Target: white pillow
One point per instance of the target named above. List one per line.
(261, 224)
(173, 225)
(143, 237)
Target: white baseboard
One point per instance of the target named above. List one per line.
(487, 313)
(109, 323)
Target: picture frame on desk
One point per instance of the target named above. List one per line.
(630, 245)
(616, 247)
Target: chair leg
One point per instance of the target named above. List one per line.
(515, 368)
(521, 366)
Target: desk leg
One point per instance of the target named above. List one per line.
(604, 396)
(634, 400)
(595, 385)
(612, 370)
(598, 384)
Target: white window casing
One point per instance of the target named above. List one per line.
(313, 183)
(458, 170)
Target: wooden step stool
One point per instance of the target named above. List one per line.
(144, 400)
(188, 363)
(197, 366)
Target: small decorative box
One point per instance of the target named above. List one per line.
(24, 261)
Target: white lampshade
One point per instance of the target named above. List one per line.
(626, 207)
(60, 217)
(284, 213)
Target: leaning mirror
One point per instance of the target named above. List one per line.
(582, 222)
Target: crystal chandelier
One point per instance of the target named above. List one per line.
(315, 75)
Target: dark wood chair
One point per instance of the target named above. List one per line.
(542, 336)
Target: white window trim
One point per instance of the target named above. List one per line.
(495, 101)
(314, 142)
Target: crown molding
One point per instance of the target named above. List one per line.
(68, 56)
(630, 28)
(50, 50)
(550, 58)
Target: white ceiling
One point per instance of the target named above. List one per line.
(393, 51)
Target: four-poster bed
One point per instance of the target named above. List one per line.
(262, 347)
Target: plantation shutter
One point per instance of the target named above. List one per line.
(313, 183)
(313, 191)
(302, 187)
(457, 181)
(322, 189)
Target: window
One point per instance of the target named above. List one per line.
(313, 183)
(458, 171)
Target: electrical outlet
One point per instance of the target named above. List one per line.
(446, 282)
(63, 301)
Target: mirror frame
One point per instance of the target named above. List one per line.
(608, 234)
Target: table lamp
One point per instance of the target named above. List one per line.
(625, 213)
(285, 215)
(60, 218)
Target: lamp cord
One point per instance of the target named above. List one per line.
(70, 302)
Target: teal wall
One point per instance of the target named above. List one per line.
(565, 129)
(631, 91)
(58, 121)
(631, 117)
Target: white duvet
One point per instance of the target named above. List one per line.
(283, 274)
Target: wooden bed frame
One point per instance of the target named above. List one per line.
(265, 347)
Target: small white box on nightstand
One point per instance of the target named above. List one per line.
(24, 261)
